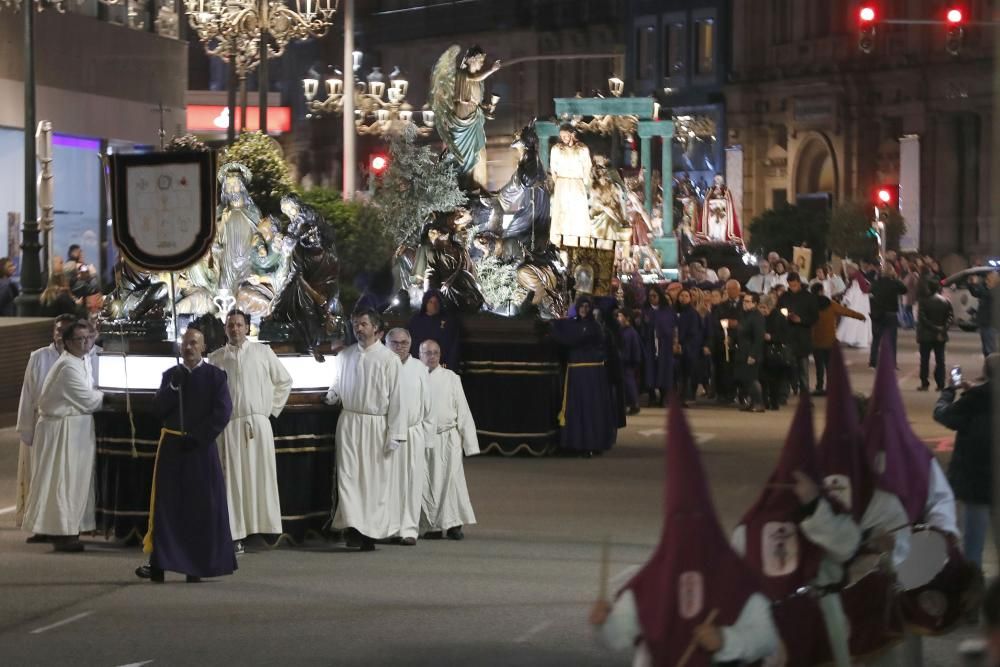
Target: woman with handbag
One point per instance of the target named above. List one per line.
(778, 357)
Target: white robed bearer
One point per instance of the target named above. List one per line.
(451, 432)
(61, 501)
(410, 460)
(370, 430)
(39, 364)
(259, 386)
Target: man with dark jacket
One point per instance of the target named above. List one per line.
(987, 294)
(970, 472)
(886, 290)
(730, 312)
(802, 311)
(935, 316)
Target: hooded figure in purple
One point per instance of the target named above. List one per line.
(433, 323)
(587, 417)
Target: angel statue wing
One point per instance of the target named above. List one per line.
(443, 93)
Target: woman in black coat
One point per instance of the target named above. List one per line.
(777, 356)
(750, 353)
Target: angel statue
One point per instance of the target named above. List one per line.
(460, 110)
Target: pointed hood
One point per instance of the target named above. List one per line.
(843, 462)
(693, 571)
(775, 547)
(899, 458)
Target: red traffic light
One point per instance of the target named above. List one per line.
(886, 195)
(379, 163)
(955, 16)
(867, 14)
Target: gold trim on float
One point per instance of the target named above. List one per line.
(129, 441)
(495, 447)
(537, 364)
(303, 450)
(125, 452)
(499, 434)
(486, 371)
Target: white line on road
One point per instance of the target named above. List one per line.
(532, 632)
(701, 438)
(136, 664)
(71, 619)
(8, 510)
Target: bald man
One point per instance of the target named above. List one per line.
(451, 431)
(409, 462)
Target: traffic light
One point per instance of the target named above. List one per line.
(887, 196)
(956, 33)
(378, 164)
(866, 28)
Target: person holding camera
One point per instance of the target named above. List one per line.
(970, 472)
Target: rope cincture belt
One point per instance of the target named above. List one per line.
(147, 541)
(586, 364)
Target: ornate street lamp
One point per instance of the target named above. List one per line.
(245, 33)
(378, 110)
(30, 266)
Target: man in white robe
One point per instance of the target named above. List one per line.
(370, 430)
(259, 386)
(39, 364)
(410, 461)
(61, 501)
(451, 431)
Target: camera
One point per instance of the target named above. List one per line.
(956, 375)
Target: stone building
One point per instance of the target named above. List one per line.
(820, 123)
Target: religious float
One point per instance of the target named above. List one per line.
(567, 223)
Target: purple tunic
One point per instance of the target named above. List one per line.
(588, 420)
(191, 517)
(631, 355)
(658, 338)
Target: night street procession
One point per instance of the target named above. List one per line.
(578, 333)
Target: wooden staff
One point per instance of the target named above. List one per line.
(694, 642)
(602, 590)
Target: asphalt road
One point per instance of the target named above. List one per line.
(515, 592)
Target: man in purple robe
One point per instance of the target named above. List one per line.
(189, 517)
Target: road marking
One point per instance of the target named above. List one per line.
(532, 632)
(65, 621)
(136, 664)
(8, 510)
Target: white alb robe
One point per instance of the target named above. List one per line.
(751, 638)
(885, 515)
(451, 431)
(410, 460)
(851, 332)
(39, 364)
(61, 501)
(366, 382)
(259, 386)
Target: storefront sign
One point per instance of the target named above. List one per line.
(207, 118)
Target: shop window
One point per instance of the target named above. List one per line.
(645, 49)
(674, 50)
(704, 35)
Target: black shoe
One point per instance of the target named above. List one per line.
(819, 392)
(352, 538)
(924, 387)
(939, 389)
(633, 410)
(433, 535)
(408, 541)
(367, 544)
(37, 539)
(69, 546)
(191, 579)
(456, 533)
(144, 571)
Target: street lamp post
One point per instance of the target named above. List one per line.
(350, 145)
(248, 32)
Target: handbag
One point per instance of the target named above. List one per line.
(778, 355)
